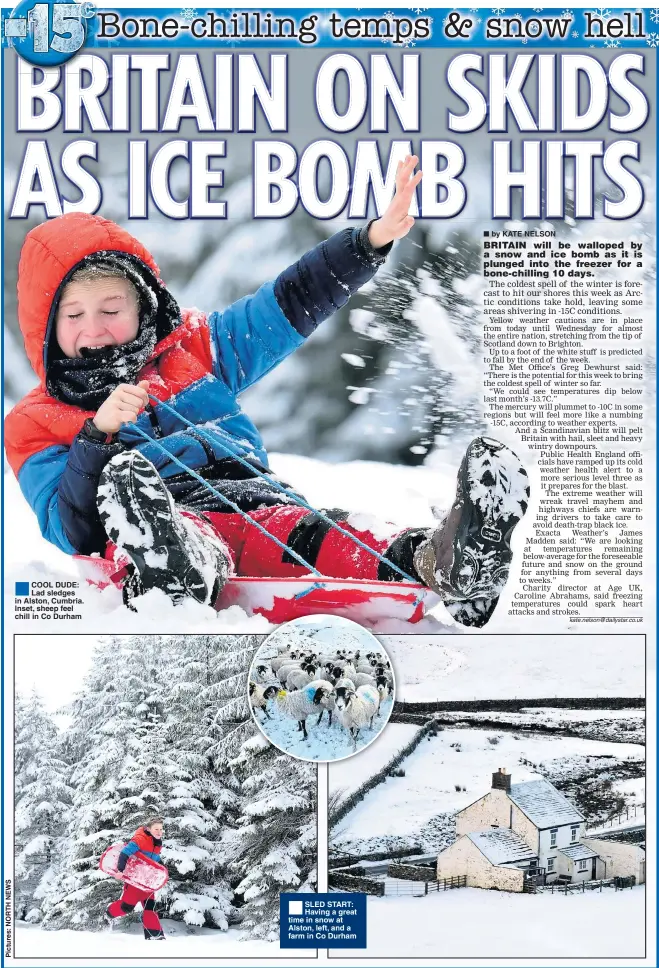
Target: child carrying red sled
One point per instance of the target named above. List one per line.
(147, 841)
(105, 337)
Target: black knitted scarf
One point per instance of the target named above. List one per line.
(88, 380)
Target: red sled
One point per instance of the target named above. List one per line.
(140, 871)
(282, 599)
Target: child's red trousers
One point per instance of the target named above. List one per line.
(333, 554)
(130, 896)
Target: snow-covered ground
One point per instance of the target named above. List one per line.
(464, 667)
(128, 943)
(471, 923)
(632, 790)
(324, 742)
(452, 769)
(614, 725)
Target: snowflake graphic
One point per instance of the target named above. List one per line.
(389, 15)
(603, 12)
(498, 11)
(612, 43)
(575, 34)
(187, 15)
(568, 13)
(418, 10)
(538, 9)
(408, 43)
(654, 15)
(525, 40)
(653, 40)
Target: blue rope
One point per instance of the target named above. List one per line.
(274, 483)
(226, 500)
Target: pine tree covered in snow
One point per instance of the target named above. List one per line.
(207, 673)
(121, 776)
(42, 799)
(274, 843)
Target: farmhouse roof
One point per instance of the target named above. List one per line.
(542, 803)
(501, 846)
(578, 852)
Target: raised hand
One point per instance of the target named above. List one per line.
(396, 223)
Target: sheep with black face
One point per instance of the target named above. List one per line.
(357, 710)
(304, 702)
(259, 696)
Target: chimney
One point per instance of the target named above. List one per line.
(501, 780)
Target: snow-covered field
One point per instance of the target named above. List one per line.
(614, 725)
(324, 742)
(128, 943)
(486, 666)
(452, 769)
(632, 790)
(470, 923)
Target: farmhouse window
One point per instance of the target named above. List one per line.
(575, 833)
(550, 864)
(582, 865)
(553, 834)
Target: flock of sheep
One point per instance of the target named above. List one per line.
(309, 684)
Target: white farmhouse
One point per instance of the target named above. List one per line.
(518, 832)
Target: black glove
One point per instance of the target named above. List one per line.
(121, 863)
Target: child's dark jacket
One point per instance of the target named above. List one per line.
(199, 369)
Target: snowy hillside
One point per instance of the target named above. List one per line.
(450, 770)
(516, 666)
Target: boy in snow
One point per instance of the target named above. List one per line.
(147, 842)
(106, 337)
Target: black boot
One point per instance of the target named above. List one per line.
(466, 559)
(167, 549)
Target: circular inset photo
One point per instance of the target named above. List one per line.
(321, 688)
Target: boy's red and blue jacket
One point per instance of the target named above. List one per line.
(142, 842)
(199, 370)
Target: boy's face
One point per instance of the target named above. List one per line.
(156, 829)
(96, 312)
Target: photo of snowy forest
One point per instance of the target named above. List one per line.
(154, 724)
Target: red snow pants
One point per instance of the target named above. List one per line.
(255, 555)
(326, 549)
(131, 896)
